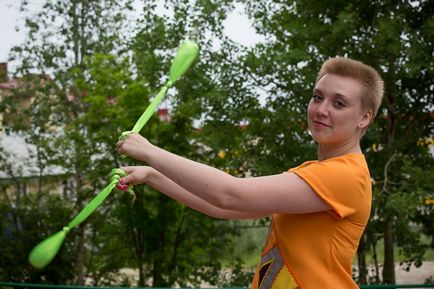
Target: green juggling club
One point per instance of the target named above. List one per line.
(187, 53)
(45, 251)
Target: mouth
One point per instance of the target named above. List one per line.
(320, 124)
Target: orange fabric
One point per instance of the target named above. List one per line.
(318, 248)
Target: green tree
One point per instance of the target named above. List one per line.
(178, 249)
(393, 37)
(113, 100)
(25, 192)
(19, 230)
(59, 38)
(111, 81)
(94, 95)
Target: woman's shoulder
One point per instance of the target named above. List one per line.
(352, 159)
(343, 167)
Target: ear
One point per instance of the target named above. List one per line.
(365, 119)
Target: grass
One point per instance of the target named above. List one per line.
(248, 246)
(428, 256)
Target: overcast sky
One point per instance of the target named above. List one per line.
(237, 27)
(9, 19)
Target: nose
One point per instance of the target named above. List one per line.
(322, 109)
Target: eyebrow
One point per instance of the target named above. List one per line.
(316, 90)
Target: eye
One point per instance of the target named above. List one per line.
(339, 103)
(316, 97)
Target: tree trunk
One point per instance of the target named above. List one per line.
(142, 275)
(79, 261)
(158, 270)
(389, 259)
(178, 240)
(375, 258)
(432, 240)
(361, 261)
(157, 280)
(140, 255)
(390, 96)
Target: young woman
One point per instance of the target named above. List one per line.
(319, 209)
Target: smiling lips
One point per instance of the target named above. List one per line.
(320, 124)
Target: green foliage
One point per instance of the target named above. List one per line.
(250, 103)
(389, 36)
(21, 227)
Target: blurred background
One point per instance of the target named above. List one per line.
(75, 74)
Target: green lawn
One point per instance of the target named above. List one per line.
(428, 256)
(249, 244)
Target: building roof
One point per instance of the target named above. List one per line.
(11, 84)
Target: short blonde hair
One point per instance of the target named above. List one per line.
(373, 85)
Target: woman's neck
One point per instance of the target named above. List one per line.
(330, 151)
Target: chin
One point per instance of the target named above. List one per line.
(324, 140)
(318, 138)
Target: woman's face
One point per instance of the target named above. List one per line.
(335, 114)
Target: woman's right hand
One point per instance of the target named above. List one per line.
(136, 175)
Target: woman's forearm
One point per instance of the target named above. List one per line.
(168, 187)
(207, 183)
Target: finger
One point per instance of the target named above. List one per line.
(122, 186)
(119, 144)
(128, 169)
(128, 180)
(120, 148)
